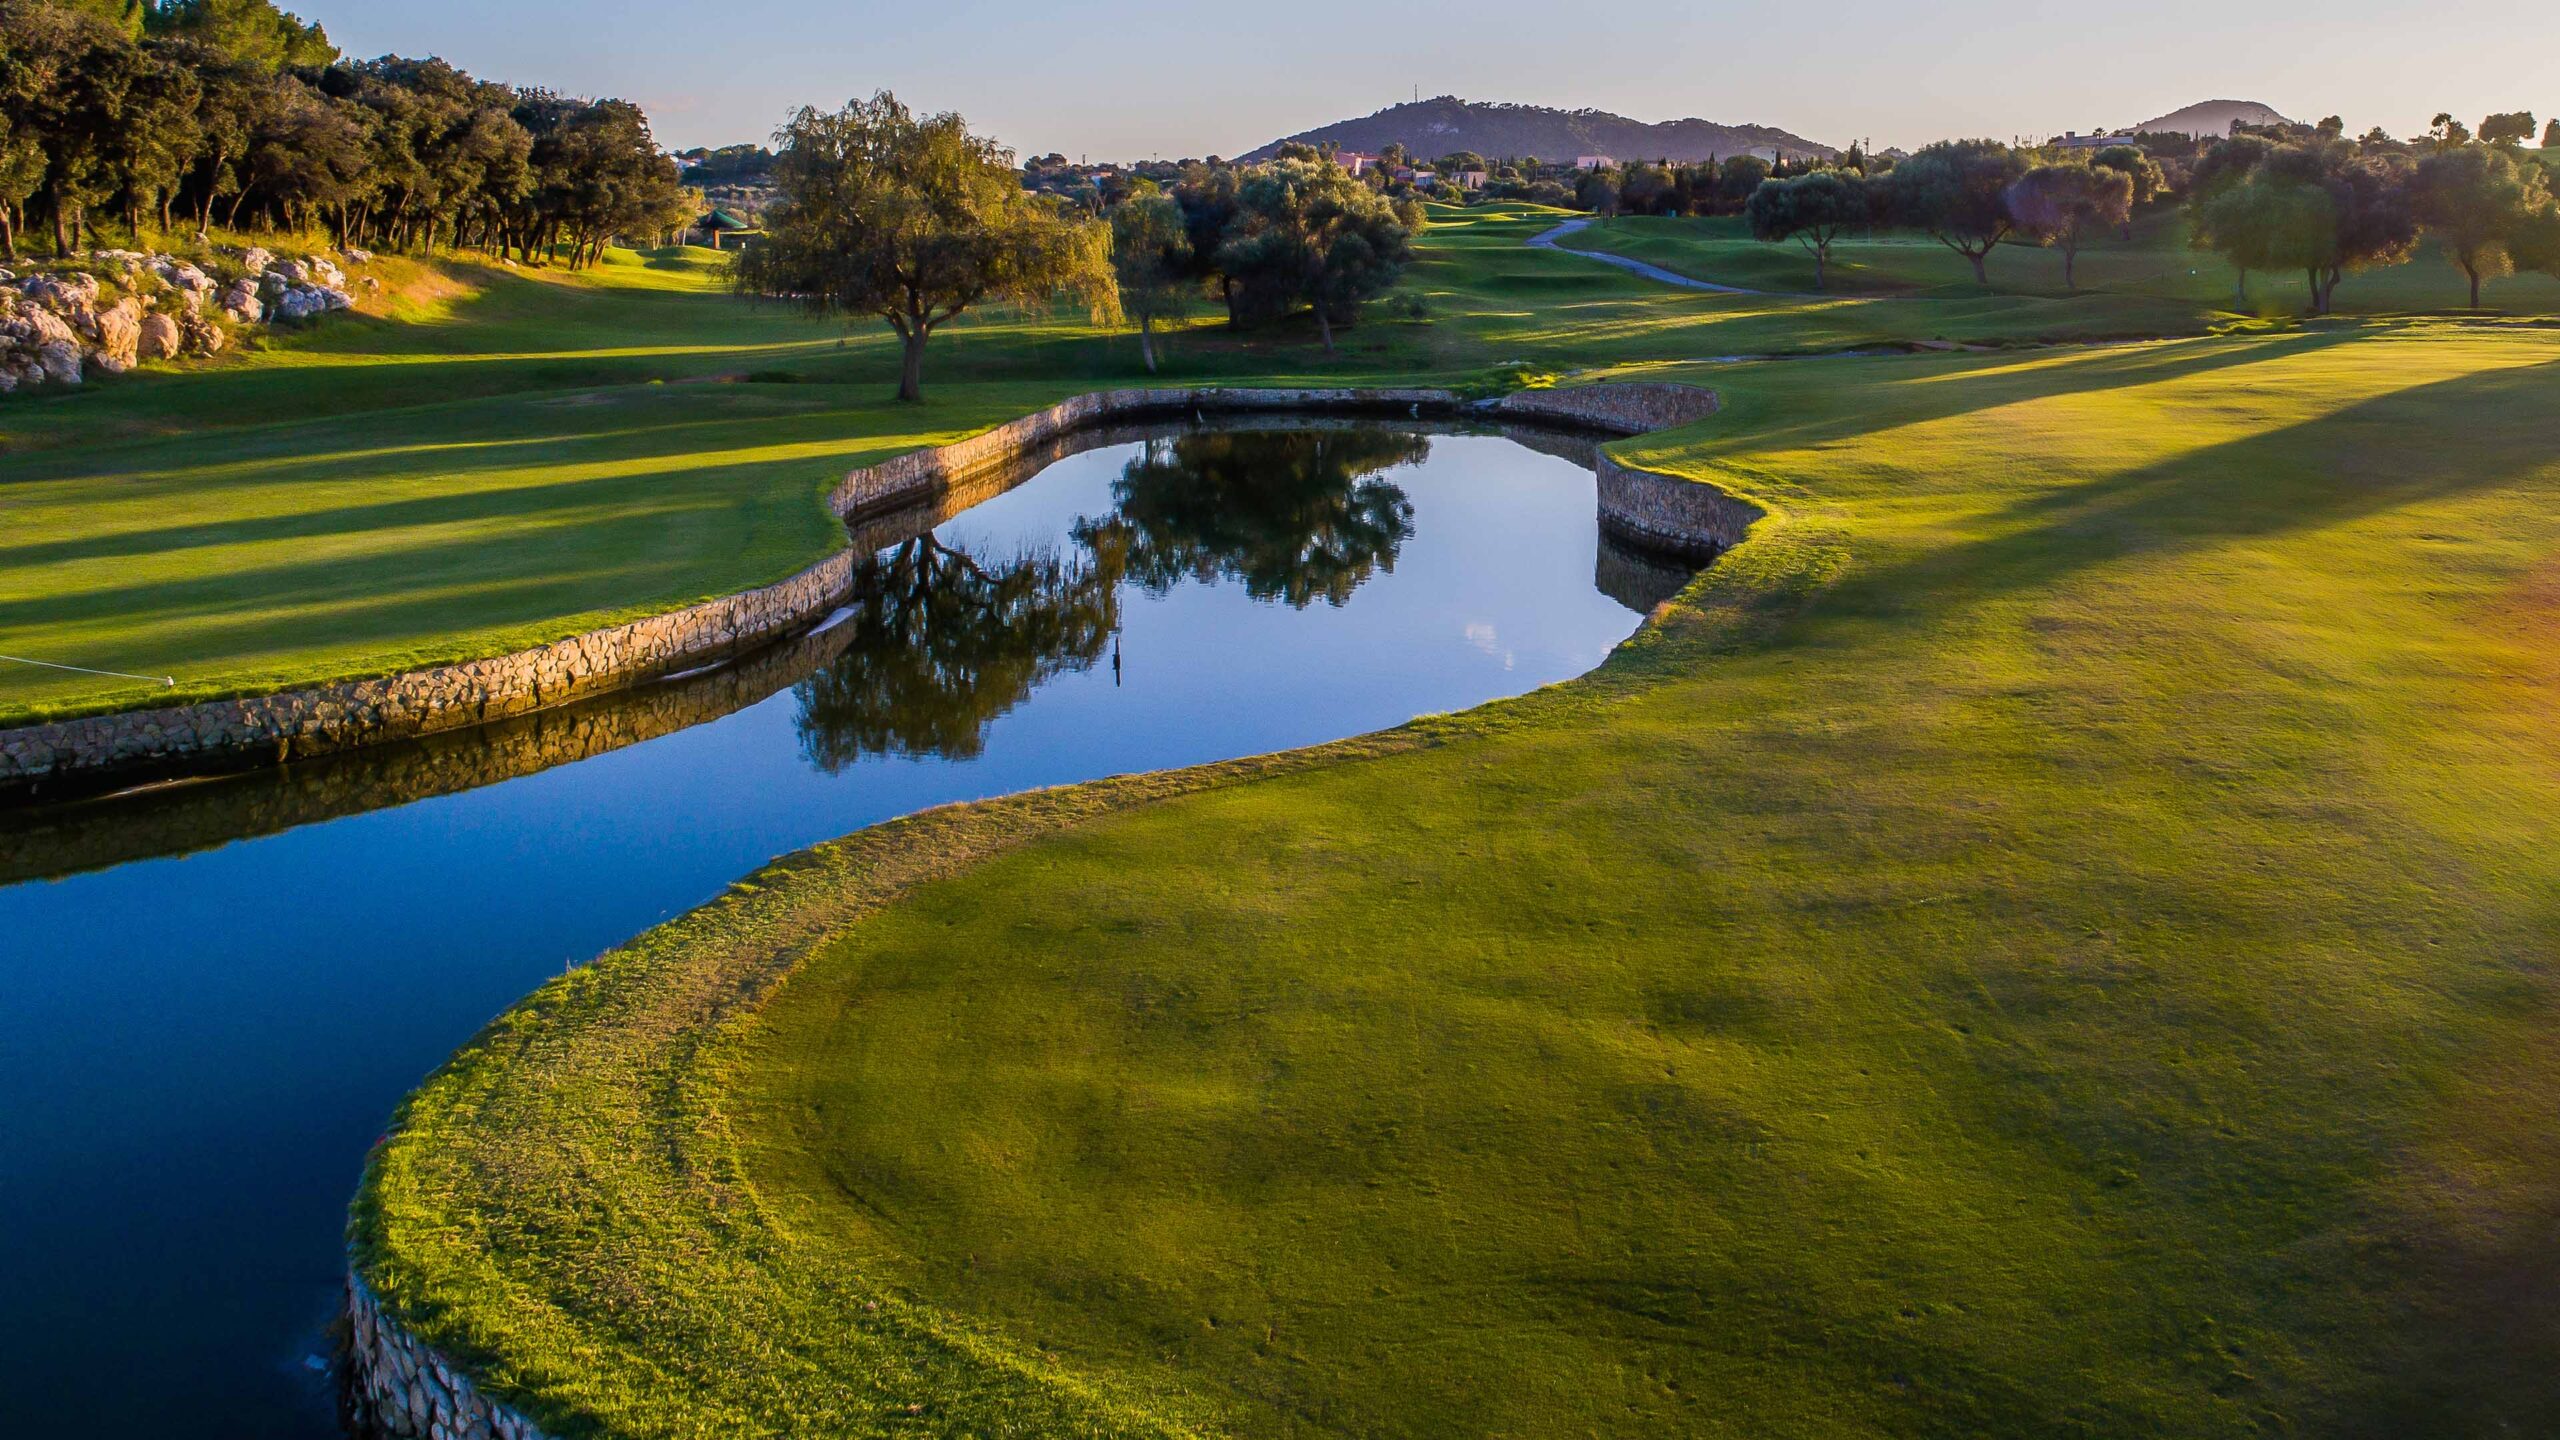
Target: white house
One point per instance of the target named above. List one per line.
(1595, 162)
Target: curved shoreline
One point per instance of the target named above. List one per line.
(63, 758)
(397, 1385)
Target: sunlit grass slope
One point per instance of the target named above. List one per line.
(504, 457)
(2053, 936)
(2155, 263)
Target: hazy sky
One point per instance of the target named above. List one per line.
(1127, 79)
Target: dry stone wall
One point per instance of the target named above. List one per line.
(95, 750)
(399, 1389)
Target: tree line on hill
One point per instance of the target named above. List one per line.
(118, 112)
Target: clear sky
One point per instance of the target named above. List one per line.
(1130, 79)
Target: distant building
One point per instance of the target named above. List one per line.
(1595, 162)
(1472, 179)
(2074, 140)
(1358, 162)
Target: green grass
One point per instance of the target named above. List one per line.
(504, 457)
(2155, 264)
(2051, 937)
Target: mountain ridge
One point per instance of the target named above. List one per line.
(1445, 124)
(2210, 119)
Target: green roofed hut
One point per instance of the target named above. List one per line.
(717, 224)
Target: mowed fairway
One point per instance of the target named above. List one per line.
(503, 458)
(2053, 936)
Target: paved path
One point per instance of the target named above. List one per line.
(1547, 241)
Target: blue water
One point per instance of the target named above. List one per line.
(195, 1051)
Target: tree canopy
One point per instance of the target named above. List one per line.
(2059, 204)
(880, 211)
(2476, 201)
(1307, 234)
(1151, 260)
(1812, 210)
(1957, 192)
(237, 109)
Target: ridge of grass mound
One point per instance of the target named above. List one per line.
(2052, 936)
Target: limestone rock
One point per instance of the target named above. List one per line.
(256, 260)
(199, 336)
(119, 330)
(159, 340)
(60, 362)
(301, 302)
(179, 275)
(241, 302)
(358, 257)
(74, 297)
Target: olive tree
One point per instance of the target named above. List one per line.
(1956, 191)
(2059, 204)
(2318, 207)
(1151, 258)
(2513, 127)
(1812, 210)
(880, 211)
(2148, 179)
(2475, 201)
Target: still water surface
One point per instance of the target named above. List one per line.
(211, 995)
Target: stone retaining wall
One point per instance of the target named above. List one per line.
(1658, 512)
(97, 750)
(398, 1389)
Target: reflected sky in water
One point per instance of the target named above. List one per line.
(196, 1050)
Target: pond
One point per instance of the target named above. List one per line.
(213, 993)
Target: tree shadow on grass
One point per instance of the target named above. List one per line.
(2327, 469)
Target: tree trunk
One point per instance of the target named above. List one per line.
(1980, 275)
(911, 367)
(1821, 264)
(2475, 285)
(2070, 266)
(1147, 342)
(2240, 290)
(1227, 289)
(61, 236)
(1324, 327)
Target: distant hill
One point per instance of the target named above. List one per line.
(1446, 124)
(2212, 118)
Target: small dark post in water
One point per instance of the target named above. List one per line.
(1115, 661)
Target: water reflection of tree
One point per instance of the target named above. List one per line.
(1294, 515)
(943, 645)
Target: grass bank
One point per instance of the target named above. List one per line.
(2050, 937)
(504, 457)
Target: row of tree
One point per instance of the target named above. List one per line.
(1969, 195)
(2311, 201)
(113, 112)
(2329, 207)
